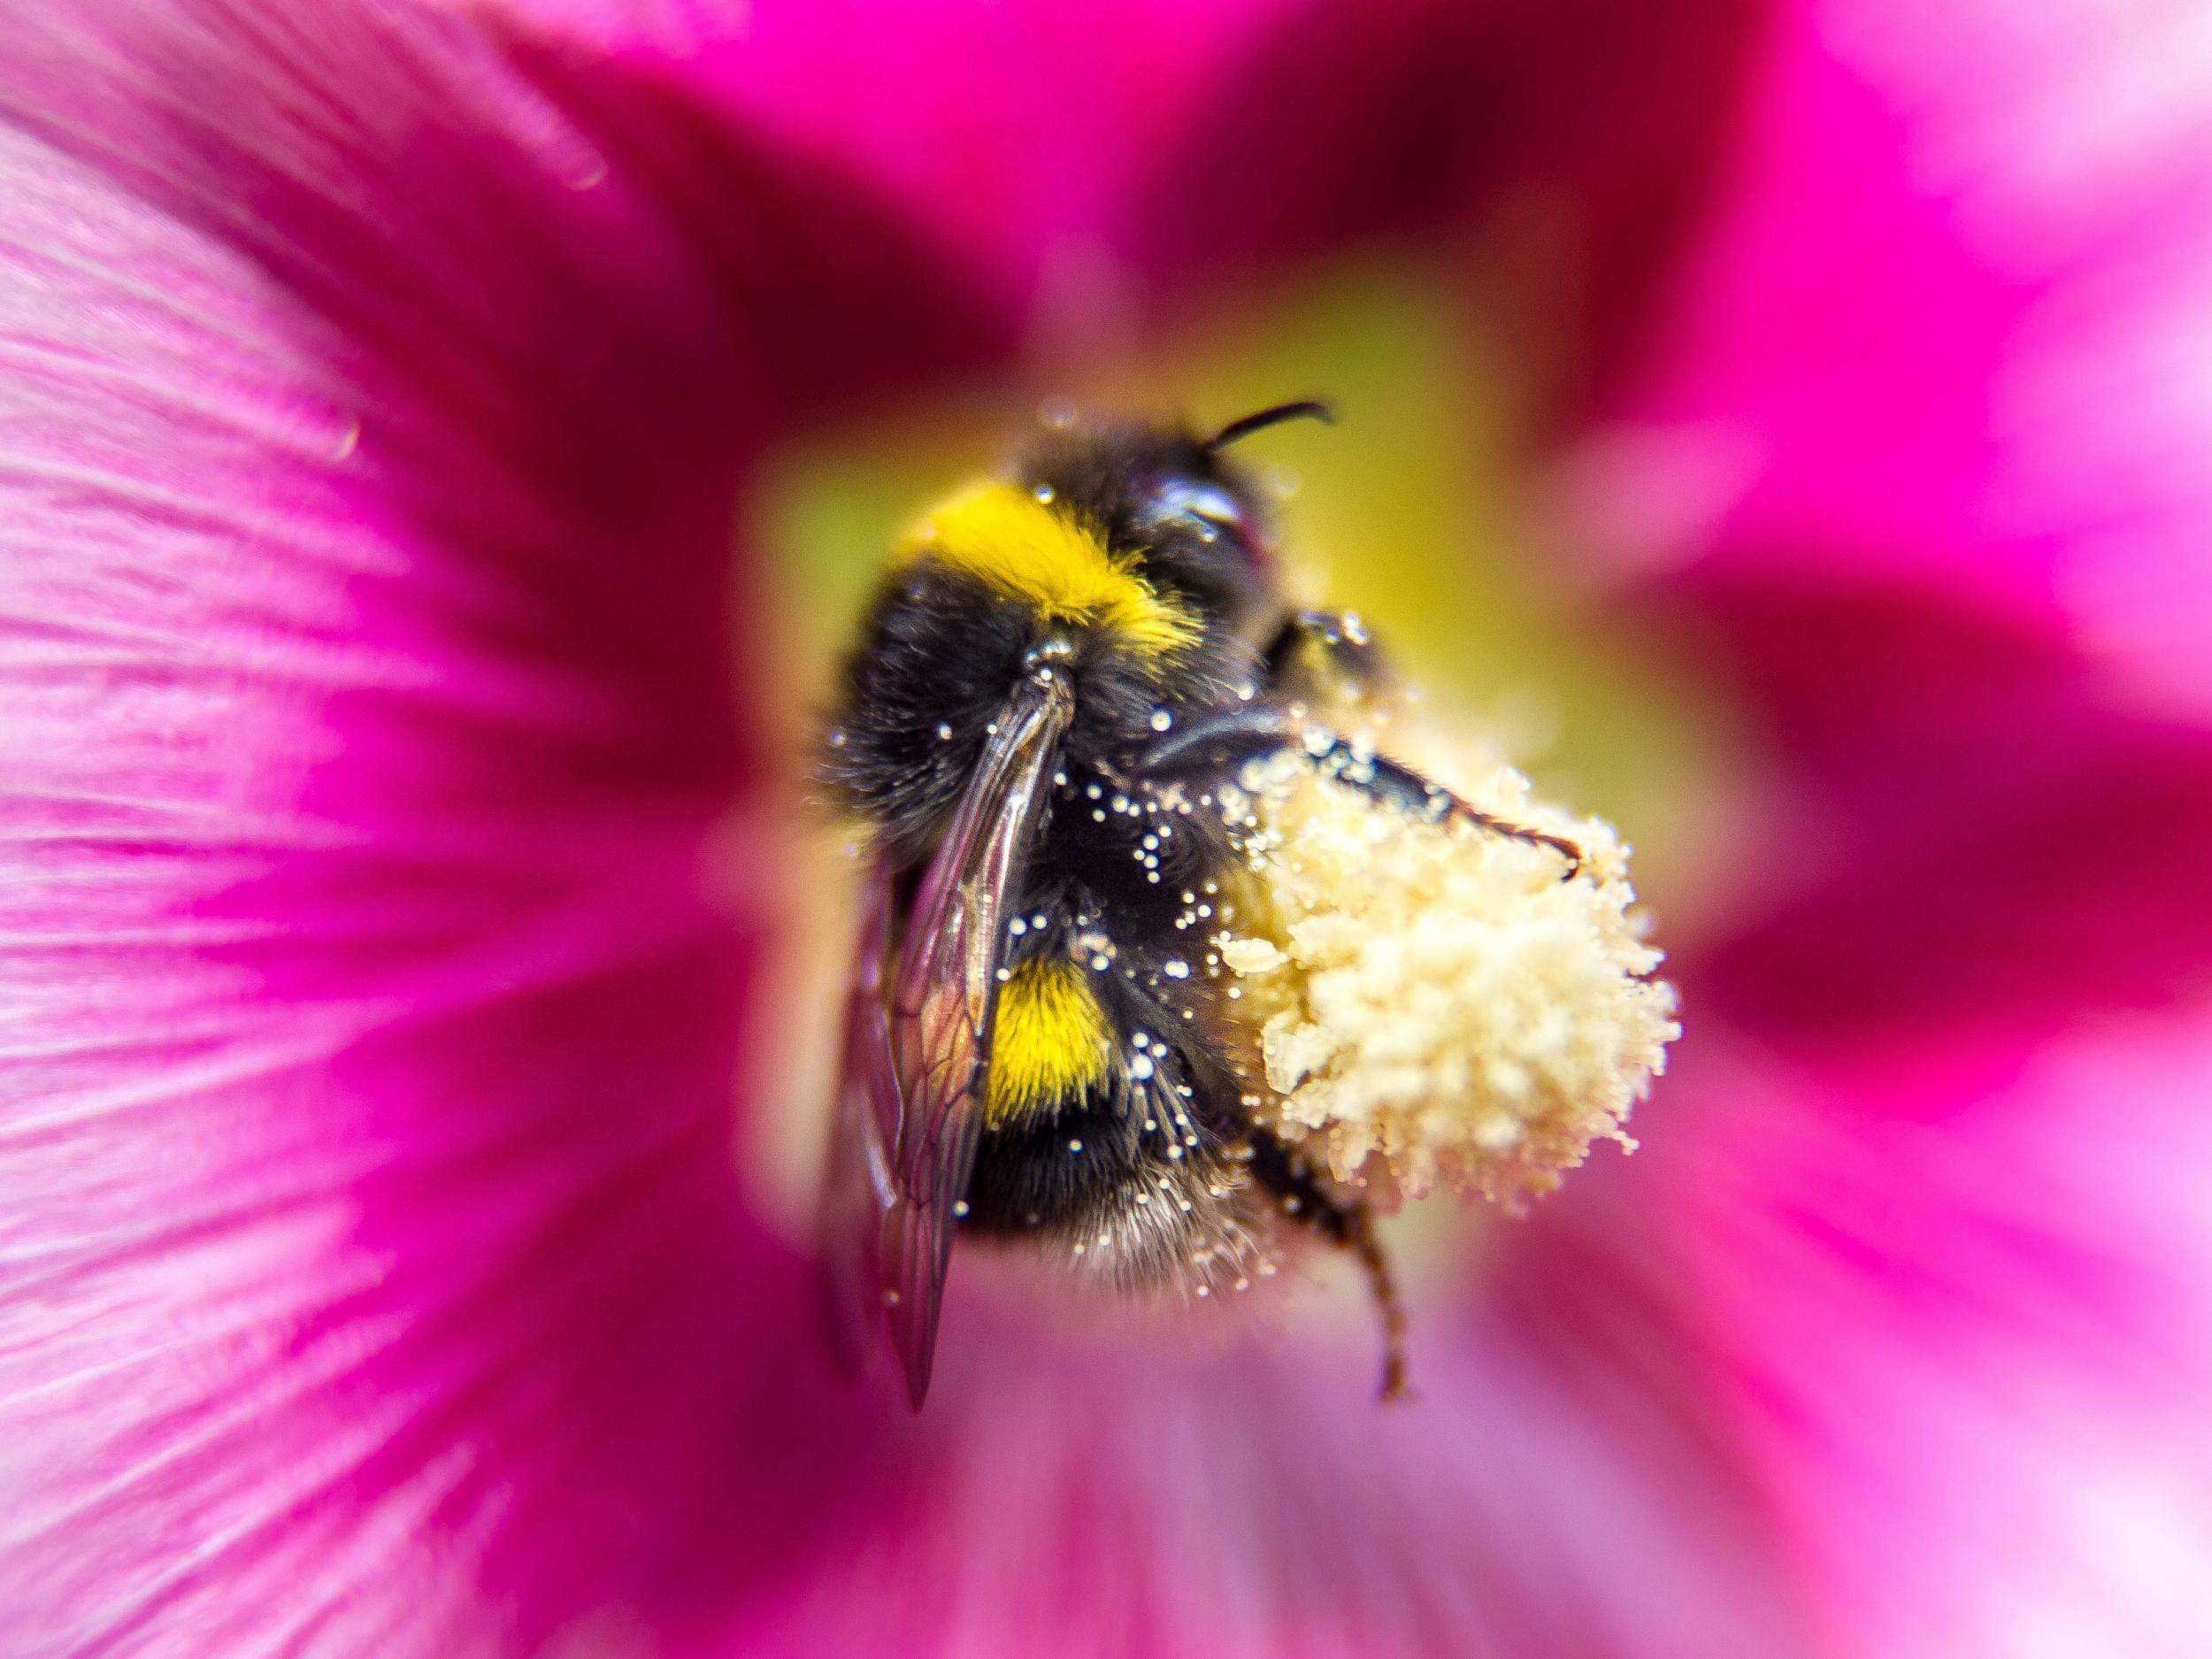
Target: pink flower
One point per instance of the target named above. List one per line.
(379, 384)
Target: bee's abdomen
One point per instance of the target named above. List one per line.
(1118, 1185)
(1052, 1042)
(1059, 1151)
(1044, 1171)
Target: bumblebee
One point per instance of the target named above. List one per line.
(1058, 671)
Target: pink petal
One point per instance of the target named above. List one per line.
(1973, 1348)
(1109, 171)
(1948, 328)
(1561, 1486)
(374, 1273)
(1975, 843)
(1015, 132)
(377, 1278)
(1566, 147)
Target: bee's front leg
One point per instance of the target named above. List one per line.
(1221, 742)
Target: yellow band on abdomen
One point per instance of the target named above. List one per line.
(1050, 1041)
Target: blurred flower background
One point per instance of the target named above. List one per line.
(440, 448)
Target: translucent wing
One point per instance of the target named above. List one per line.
(856, 1192)
(940, 1012)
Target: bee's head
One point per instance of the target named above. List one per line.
(1196, 522)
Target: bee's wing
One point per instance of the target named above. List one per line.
(856, 1192)
(941, 1008)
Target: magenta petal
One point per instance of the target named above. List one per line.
(1972, 1347)
(1945, 328)
(374, 1271)
(1568, 145)
(1562, 1486)
(1976, 847)
(1179, 146)
(1015, 132)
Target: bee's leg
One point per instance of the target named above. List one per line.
(1225, 741)
(1350, 1226)
(1220, 742)
(1391, 780)
(1342, 640)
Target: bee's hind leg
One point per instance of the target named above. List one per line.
(1348, 1226)
(1224, 741)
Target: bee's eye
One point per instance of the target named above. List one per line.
(1193, 505)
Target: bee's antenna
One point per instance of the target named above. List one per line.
(1305, 409)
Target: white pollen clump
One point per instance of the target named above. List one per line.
(1435, 1003)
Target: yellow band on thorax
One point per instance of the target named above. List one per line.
(1005, 537)
(1050, 1042)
